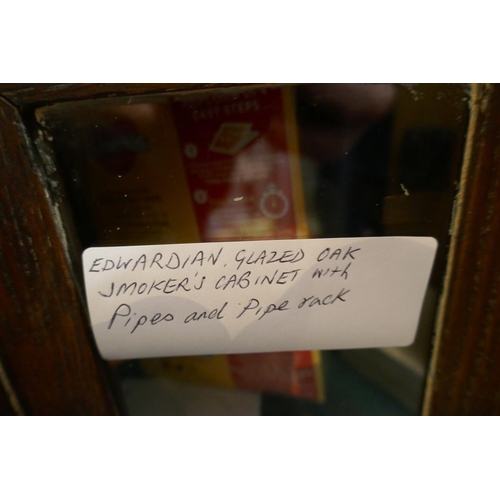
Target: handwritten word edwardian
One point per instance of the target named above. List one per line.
(255, 296)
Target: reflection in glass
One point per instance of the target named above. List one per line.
(271, 162)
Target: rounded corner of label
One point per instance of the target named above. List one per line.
(87, 251)
(435, 242)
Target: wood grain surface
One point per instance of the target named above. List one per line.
(465, 372)
(45, 93)
(47, 348)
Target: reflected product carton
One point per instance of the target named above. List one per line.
(241, 158)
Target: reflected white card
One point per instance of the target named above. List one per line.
(256, 296)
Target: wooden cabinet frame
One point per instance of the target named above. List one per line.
(48, 360)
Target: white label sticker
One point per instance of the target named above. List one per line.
(256, 296)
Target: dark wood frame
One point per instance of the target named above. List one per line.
(464, 378)
(48, 360)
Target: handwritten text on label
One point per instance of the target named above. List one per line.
(252, 296)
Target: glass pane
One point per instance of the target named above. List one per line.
(306, 161)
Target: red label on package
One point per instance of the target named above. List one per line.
(237, 162)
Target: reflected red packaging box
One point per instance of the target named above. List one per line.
(241, 159)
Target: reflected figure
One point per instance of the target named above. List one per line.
(345, 132)
(333, 117)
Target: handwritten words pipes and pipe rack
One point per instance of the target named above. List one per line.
(256, 296)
